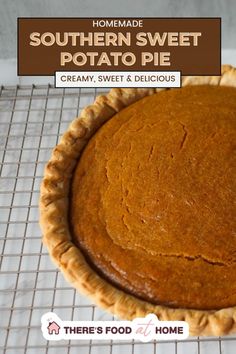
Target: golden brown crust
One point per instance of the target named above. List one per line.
(54, 222)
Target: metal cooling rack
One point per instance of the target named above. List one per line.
(32, 119)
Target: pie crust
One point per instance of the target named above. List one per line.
(54, 207)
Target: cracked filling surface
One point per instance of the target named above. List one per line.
(153, 198)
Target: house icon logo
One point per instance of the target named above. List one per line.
(53, 328)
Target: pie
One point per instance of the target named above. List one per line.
(138, 202)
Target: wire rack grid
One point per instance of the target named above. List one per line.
(32, 118)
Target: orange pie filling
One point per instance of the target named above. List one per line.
(153, 199)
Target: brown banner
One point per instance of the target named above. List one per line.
(189, 45)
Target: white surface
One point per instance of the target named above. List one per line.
(8, 75)
(8, 71)
(229, 56)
